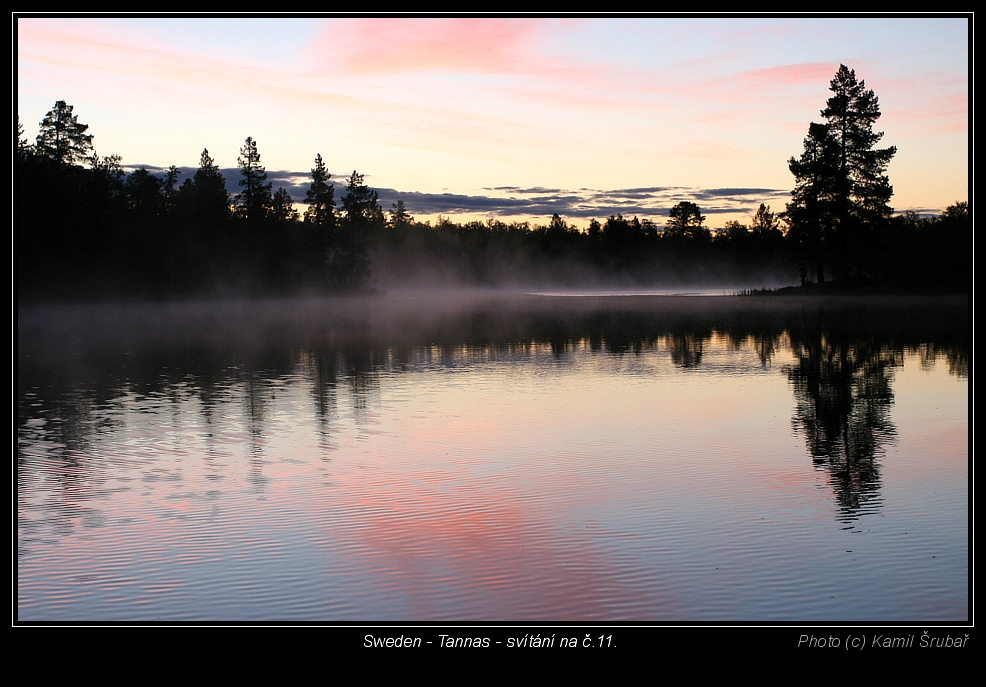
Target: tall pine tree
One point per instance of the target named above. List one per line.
(863, 189)
(841, 195)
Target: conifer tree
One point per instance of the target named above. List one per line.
(169, 188)
(842, 192)
(282, 208)
(685, 219)
(62, 138)
(361, 205)
(349, 255)
(811, 212)
(765, 223)
(400, 218)
(204, 197)
(863, 189)
(255, 201)
(321, 199)
(23, 148)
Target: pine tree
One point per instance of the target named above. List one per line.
(400, 218)
(204, 198)
(169, 188)
(62, 138)
(255, 201)
(686, 219)
(841, 189)
(361, 204)
(321, 199)
(765, 224)
(811, 212)
(23, 149)
(349, 254)
(282, 208)
(863, 187)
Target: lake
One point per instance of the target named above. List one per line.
(492, 457)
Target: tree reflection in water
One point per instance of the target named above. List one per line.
(842, 405)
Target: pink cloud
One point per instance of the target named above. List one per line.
(773, 90)
(809, 73)
(86, 45)
(116, 67)
(520, 48)
(930, 103)
(378, 45)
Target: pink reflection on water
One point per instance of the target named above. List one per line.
(495, 560)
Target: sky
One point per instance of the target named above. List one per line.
(516, 118)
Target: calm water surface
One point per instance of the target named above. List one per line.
(521, 458)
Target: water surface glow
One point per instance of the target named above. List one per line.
(521, 458)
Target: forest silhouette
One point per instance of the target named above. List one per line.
(89, 229)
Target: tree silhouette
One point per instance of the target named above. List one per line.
(255, 201)
(349, 258)
(765, 224)
(735, 231)
(23, 148)
(143, 193)
(282, 208)
(863, 189)
(62, 138)
(169, 188)
(361, 203)
(686, 219)
(108, 174)
(204, 197)
(841, 190)
(811, 212)
(321, 199)
(399, 216)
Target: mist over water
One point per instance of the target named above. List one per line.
(490, 456)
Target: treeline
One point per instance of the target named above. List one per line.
(88, 229)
